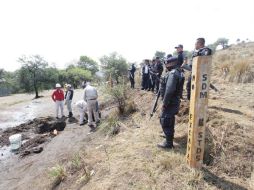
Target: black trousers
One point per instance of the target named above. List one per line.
(168, 127)
(188, 88)
(157, 83)
(151, 82)
(132, 82)
(145, 81)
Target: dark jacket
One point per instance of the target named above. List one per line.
(132, 71)
(171, 90)
(158, 68)
(143, 69)
(70, 96)
(180, 58)
(200, 52)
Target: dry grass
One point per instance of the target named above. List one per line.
(74, 171)
(241, 72)
(236, 64)
(58, 174)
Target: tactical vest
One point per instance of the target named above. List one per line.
(179, 88)
(71, 96)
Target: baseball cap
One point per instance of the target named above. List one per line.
(58, 85)
(179, 46)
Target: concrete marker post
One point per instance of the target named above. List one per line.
(201, 69)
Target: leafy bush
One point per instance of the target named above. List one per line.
(119, 94)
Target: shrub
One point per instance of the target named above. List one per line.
(119, 94)
(111, 126)
(58, 174)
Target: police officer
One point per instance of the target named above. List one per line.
(158, 69)
(170, 90)
(132, 75)
(200, 50)
(180, 60)
(152, 76)
(180, 56)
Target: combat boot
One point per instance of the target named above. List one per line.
(70, 114)
(167, 144)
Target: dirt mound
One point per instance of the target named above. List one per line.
(34, 145)
(183, 114)
(229, 142)
(34, 133)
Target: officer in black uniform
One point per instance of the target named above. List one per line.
(132, 75)
(200, 50)
(170, 90)
(180, 55)
(180, 60)
(158, 69)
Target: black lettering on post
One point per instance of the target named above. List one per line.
(199, 142)
(203, 94)
(193, 77)
(198, 150)
(192, 87)
(204, 77)
(190, 116)
(198, 158)
(200, 135)
(201, 122)
(204, 86)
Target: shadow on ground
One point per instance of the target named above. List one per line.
(226, 110)
(220, 183)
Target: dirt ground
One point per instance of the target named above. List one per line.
(130, 159)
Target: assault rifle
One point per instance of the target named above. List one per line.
(155, 104)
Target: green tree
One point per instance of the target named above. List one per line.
(223, 42)
(88, 64)
(51, 77)
(160, 54)
(115, 65)
(76, 76)
(32, 73)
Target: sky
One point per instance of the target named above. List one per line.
(63, 30)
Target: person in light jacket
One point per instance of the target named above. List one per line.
(90, 96)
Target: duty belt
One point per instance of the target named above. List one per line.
(92, 99)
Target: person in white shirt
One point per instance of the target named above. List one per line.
(145, 75)
(82, 107)
(90, 96)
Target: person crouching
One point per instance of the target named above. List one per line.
(82, 107)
